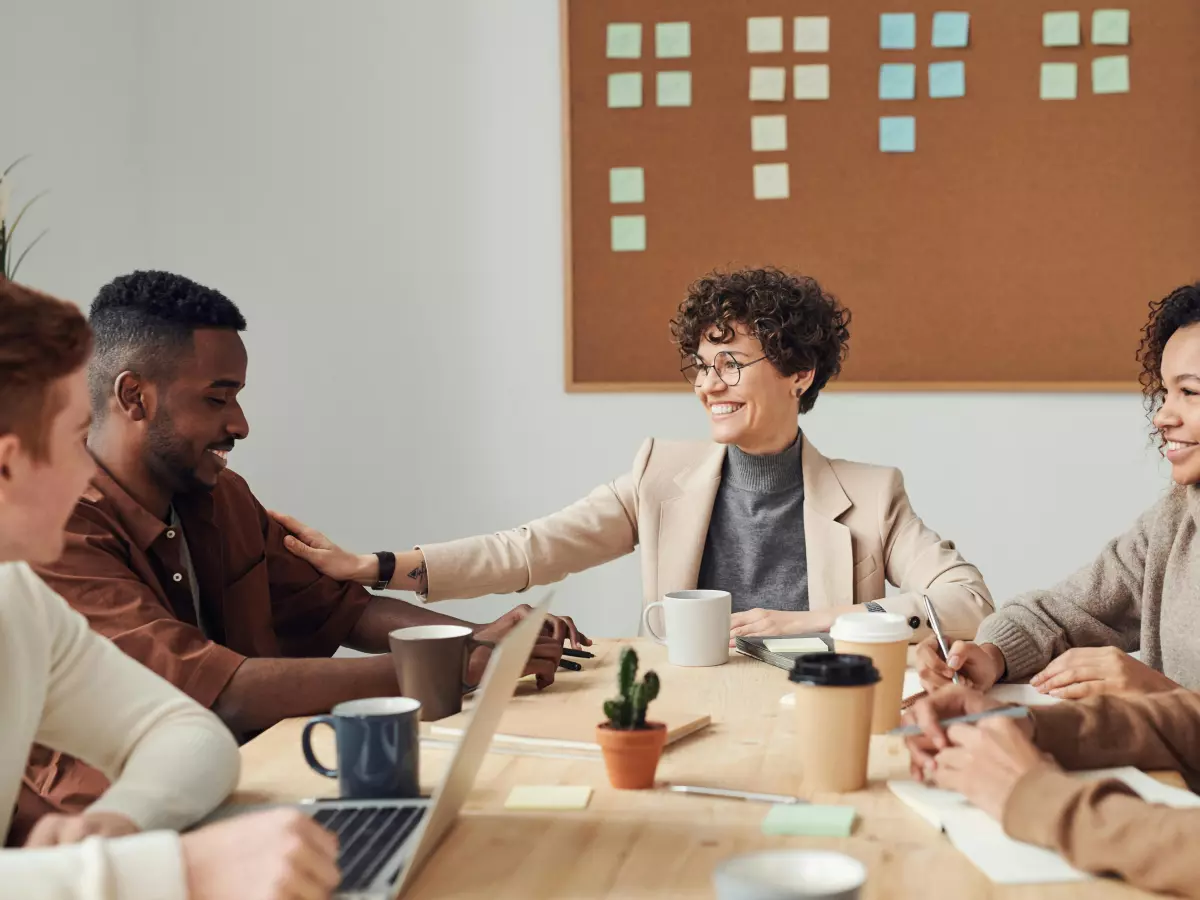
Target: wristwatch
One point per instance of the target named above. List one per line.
(387, 568)
(872, 606)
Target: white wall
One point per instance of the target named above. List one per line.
(377, 184)
(71, 95)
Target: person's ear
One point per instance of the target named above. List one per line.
(802, 381)
(10, 458)
(134, 396)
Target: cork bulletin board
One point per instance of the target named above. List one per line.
(1009, 238)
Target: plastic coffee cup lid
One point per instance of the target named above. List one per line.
(834, 670)
(871, 628)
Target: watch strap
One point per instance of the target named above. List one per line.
(387, 568)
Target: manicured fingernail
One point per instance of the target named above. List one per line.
(1057, 692)
(954, 662)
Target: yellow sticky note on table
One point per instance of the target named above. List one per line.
(809, 820)
(1110, 27)
(532, 796)
(1110, 75)
(795, 645)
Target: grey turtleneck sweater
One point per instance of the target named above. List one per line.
(755, 543)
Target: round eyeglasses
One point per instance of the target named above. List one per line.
(728, 369)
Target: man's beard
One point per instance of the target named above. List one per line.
(169, 457)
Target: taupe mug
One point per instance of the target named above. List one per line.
(431, 666)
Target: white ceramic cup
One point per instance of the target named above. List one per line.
(697, 627)
(790, 875)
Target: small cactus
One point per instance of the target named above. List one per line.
(628, 711)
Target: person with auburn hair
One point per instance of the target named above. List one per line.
(1074, 640)
(795, 537)
(170, 760)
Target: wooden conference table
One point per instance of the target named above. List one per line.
(642, 844)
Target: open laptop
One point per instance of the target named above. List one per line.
(384, 843)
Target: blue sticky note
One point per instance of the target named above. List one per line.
(897, 134)
(951, 29)
(947, 79)
(897, 81)
(898, 31)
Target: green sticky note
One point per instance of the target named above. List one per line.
(627, 185)
(624, 40)
(625, 90)
(898, 31)
(1110, 75)
(897, 81)
(764, 34)
(672, 40)
(1110, 27)
(1060, 29)
(947, 79)
(951, 29)
(1060, 81)
(628, 233)
(898, 134)
(674, 88)
(809, 820)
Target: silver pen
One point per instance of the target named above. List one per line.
(733, 795)
(1007, 712)
(937, 633)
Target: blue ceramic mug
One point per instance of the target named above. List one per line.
(378, 747)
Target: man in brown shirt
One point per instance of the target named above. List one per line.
(1011, 770)
(170, 555)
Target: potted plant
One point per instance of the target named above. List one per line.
(631, 745)
(8, 227)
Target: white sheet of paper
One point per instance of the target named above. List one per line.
(1002, 859)
(768, 83)
(768, 133)
(795, 645)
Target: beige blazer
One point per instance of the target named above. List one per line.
(859, 529)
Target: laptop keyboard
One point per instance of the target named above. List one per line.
(367, 838)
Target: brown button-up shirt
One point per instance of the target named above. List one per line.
(124, 569)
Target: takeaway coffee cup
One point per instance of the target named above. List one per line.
(884, 637)
(834, 697)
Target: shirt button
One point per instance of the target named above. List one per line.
(177, 578)
(171, 532)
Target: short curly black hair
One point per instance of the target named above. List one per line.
(143, 321)
(1178, 309)
(800, 326)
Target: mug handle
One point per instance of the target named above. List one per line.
(473, 644)
(646, 621)
(306, 745)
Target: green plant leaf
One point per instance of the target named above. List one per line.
(12, 276)
(15, 163)
(17, 221)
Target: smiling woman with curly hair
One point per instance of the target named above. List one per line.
(1143, 592)
(795, 538)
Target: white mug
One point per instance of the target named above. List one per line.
(697, 627)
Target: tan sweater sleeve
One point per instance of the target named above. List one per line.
(1149, 731)
(1103, 827)
(599, 528)
(1098, 606)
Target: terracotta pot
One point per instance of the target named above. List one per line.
(631, 757)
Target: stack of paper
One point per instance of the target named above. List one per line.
(999, 857)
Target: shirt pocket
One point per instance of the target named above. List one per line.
(247, 615)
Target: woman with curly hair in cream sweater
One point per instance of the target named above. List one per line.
(795, 537)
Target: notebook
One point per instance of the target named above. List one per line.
(1005, 860)
(771, 650)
